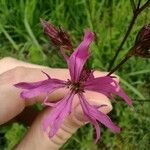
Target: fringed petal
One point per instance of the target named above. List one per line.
(107, 86)
(94, 116)
(56, 117)
(80, 56)
(37, 88)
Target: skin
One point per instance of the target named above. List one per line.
(12, 107)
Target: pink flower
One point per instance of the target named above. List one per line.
(80, 81)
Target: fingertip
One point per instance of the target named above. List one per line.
(101, 74)
(99, 99)
(105, 104)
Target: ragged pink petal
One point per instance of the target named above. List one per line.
(56, 117)
(37, 88)
(96, 126)
(107, 86)
(32, 85)
(123, 95)
(80, 56)
(98, 131)
(28, 85)
(47, 103)
(95, 115)
(51, 104)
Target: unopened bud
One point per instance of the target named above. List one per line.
(142, 43)
(57, 35)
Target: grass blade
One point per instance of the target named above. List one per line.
(9, 38)
(132, 88)
(139, 72)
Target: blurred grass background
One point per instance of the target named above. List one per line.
(21, 36)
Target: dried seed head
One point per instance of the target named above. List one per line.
(57, 35)
(142, 43)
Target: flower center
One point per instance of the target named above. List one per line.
(75, 86)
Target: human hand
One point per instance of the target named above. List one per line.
(13, 71)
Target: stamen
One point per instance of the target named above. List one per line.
(75, 86)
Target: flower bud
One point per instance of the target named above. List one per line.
(57, 35)
(142, 43)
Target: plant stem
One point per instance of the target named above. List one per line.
(138, 5)
(136, 12)
(118, 66)
(144, 6)
(123, 41)
(133, 5)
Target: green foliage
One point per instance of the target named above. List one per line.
(13, 134)
(21, 36)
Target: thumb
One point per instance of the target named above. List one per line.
(36, 138)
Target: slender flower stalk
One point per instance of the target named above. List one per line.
(119, 65)
(141, 47)
(81, 80)
(137, 9)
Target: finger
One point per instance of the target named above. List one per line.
(8, 63)
(36, 138)
(99, 74)
(40, 139)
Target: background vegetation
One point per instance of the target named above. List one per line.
(21, 36)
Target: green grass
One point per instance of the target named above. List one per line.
(21, 36)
